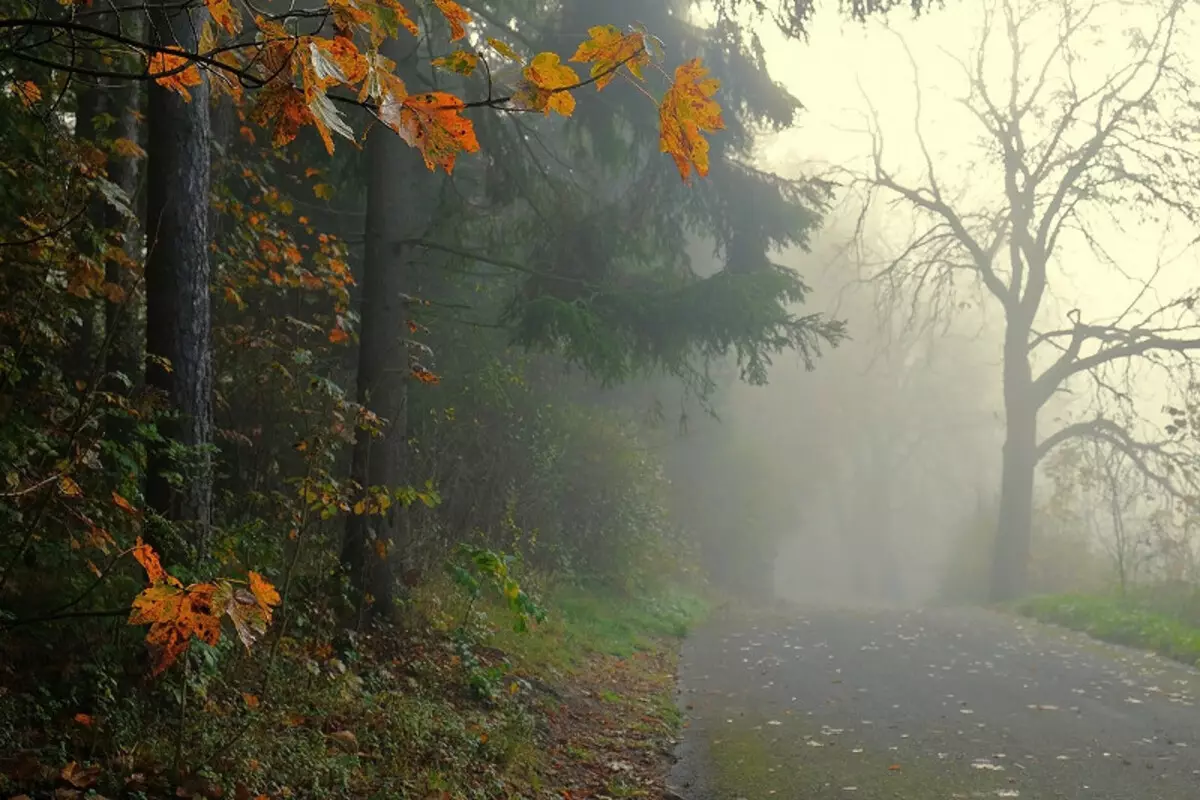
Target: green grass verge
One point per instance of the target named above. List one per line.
(581, 623)
(1125, 621)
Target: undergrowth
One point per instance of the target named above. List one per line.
(454, 704)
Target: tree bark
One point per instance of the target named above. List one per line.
(178, 309)
(121, 355)
(1014, 530)
(401, 200)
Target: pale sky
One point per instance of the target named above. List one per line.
(845, 64)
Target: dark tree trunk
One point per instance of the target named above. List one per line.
(120, 315)
(1014, 530)
(401, 199)
(178, 310)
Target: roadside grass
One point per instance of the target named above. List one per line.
(409, 712)
(1134, 621)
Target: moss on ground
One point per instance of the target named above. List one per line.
(755, 761)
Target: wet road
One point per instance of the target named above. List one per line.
(930, 705)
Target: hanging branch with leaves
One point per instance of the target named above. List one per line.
(300, 79)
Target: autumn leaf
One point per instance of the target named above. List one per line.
(80, 777)
(323, 191)
(174, 72)
(123, 504)
(29, 93)
(84, 719)
(266, 594)
(251, 701)
(225, 15)
(338, 336)
(175, 616)
(549, 83)
(155, 573)
(425, 376)
(688, 110)
(69, 487)
(456, 15)
(346, 739)
(281, 106)
(127, 148)
(503, 48)
(432, 123)
(460, 61)
(248, 620)
(607, 49)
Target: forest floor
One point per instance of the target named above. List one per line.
(859, 704)
(582, 707)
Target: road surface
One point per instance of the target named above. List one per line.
(929, 705)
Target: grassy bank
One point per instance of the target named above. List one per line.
(455, 705)
(1141, 620)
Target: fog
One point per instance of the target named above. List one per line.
(886, 459)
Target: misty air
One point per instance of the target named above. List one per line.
(578, 400)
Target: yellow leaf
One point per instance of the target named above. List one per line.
(503, 48)
(69, 487)
(550, 82)
(323, 191)
(607, 49)
(456, 15)
(127, 148)
(360, 507)
(688, 110)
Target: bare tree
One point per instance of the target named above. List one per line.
(1077, 147)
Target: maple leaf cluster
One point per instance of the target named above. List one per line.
(303, 79)
(176, 613)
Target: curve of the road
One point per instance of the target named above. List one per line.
(807, 704)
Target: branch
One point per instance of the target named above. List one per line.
(1134, 342)
(1109, 432)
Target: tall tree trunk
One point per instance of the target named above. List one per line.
(1014, 529)
(120, 315)
(178, 310)
(401, 201)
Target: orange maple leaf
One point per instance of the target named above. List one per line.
(29, 93)
(432, 122)
(687, 110)
(175, 616)
(146, 556)
(175, 72)
(608, 50)
(264, 593)
(225, 15)
(281, 105)
(456, 15)
(548, 85)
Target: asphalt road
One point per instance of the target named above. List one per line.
(929, 705)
